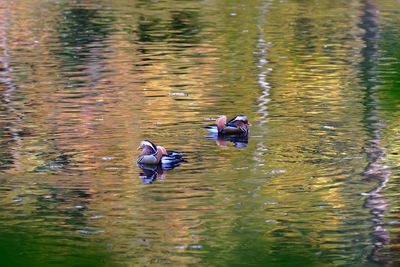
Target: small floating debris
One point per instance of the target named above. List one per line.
(210, 119)
(106, 158)
(190, 246)
(178, 94)
(233, 14)
(270, 221)
(196, 246)
(96, 217)
(17, 200)
(271, 203)
(79, 207)
(242, 168)
(88, 232)
(328, 127)
(278, 171)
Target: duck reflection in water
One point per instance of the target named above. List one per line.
(154, 161)
(151, 172)
(238, 141)
(236, 131)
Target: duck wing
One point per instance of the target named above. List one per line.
(147, 159)
(172, 158)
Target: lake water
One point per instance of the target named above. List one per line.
(83, 82)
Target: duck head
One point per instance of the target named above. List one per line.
(240, 120)
(147, 147)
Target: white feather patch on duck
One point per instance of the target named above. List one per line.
(146, 144)
(239, 118)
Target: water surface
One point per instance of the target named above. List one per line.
(83, 82)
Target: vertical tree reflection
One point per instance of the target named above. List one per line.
(82, 34)
(79, 28)
(264, 98)
(376, 169)
(185, 26)
(10, 116)
(82, 31)
(175, 27)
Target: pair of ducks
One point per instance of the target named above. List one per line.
(156, 155)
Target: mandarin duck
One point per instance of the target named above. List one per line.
(237, 126)
(154, 155)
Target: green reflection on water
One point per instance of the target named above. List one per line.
(24, 247)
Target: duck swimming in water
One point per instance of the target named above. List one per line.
(154, 155)
(239, 125)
